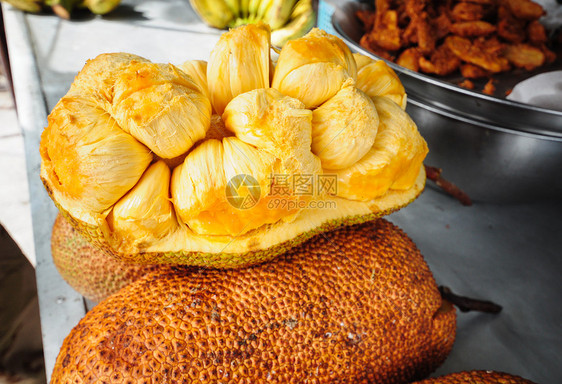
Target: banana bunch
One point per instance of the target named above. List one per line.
(64, 8)
(288, 19)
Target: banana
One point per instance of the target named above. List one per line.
(33, 6)
(63, 8)
(234, 6)
(244, 9)
(302, 20)
(215, 13)
(253, 10)
(263, 8)
(302, 6)
(279, 12)
(101, 7)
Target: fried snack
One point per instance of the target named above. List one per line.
(472, 28)
(469, 52)
(489, 88)
(410, 59)
(478, 38)
(467, 12)
(471, 71)
(525, 9)
(524, 56)
(442, 62)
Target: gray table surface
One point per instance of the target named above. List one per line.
(510, 254)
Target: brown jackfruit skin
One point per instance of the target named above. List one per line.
(355, 305)
(477, 377)
(86, 268)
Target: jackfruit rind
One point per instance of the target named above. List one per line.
(356, 305)
(86, 268)
(257, 246)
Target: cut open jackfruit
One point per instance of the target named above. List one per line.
(224, 164)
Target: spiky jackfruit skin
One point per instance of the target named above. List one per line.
(88, 269)
(477, 377)
(254, 253)
(355, 305)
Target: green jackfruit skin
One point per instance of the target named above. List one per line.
(476, 377)
(354, 305)
(87, 269)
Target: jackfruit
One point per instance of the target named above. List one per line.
(313, 68)
(376, 78)
(355, 305)
(240, 62)
(161, 107)
(344, 128)
(197, 69)
(393, 161)
(207, 164)
(87, 269)
(476, 377)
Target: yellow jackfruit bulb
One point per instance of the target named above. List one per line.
(376, 78)
(344, 128)
(275, 123)
(361, 60)
(145, 213)
(161, 107)
(199, 180)
(239, 62)
(393, 162)
(221, 187)
(313, 68)
(96, 77)
(197, 69)
(88, 161)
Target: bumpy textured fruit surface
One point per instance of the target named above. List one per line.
(477, 377)
(355, 305)
(86, 268)
(231, 162)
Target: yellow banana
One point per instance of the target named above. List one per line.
(215, 13)
(244, 9)
(263, 8)
(234, 6)
(302, 20)
(32, 6)
(63, 8)
(253, 10)
(279, 12)
(101, 7)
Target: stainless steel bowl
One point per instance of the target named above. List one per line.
(494, 149)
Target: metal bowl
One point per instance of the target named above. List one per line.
(494, 149)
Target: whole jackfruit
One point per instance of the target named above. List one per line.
(476, 377)
(220, 163)
(355, 305)
(86, 268)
